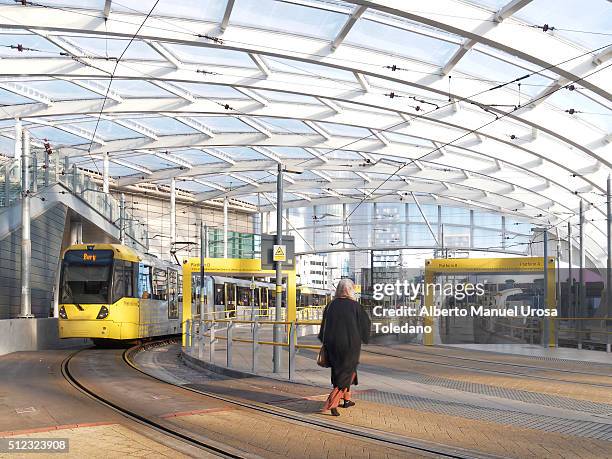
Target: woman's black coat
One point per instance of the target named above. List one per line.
(344, 327)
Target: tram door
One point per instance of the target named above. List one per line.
(264, 301)
(196, 298)
(230, 299)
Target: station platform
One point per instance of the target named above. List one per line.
(411, 401)
(489, 402)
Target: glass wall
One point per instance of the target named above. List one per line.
(404, 225)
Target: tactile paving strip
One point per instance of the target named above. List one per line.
(588, 429)
(555, 401)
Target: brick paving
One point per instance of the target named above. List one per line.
(102, 442)
(452, 430)
(271, 438)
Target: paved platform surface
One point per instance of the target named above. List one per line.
(37, 402)
(102, 441)
(511, 405)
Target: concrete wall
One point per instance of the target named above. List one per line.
(47, 235)
(32, 335)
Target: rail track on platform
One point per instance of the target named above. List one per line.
(490, 366)
(402, 445)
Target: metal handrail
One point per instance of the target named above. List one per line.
(207, 331)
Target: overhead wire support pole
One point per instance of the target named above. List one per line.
(547, 330)
(580, 297)
(609, 266)
(279, 266)
(570, 281)
(122, 219)
(173, 211)
(203, 245)
(26, 241)
(225, 224)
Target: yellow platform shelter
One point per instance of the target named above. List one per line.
(490, 265)
(229, 267)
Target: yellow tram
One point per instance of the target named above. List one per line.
(111, 292)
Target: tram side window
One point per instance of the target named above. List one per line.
(123, 280)
(180, 287)
(219, 294)
(173, 311)
(160, 284)
(144, 282)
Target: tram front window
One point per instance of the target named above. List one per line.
(85, 284)
(86, 277)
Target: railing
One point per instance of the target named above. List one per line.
(46, 170)
(594, 331)
(201, 336)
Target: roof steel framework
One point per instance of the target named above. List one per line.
(467, 103)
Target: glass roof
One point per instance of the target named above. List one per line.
(374, 102)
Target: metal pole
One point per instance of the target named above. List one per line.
(253, 299)
(570, 295)
(292, 335)
(26, 241)
(225, 224)
(105, 174)
(203, 244)
(279, 267)
(201, 333)
(173, 210)
(609, 271)
(7, 184)
(47, 167)
(212, 341)
(255, 345)
(229, 338)
(558, 288)
(122, 219)
(75, 178)
(545, 320)
(579, 300)
(18, 139)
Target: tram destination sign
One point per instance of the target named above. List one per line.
(268, 246)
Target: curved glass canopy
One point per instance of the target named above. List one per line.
(497, 106)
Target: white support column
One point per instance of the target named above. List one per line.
(173, 210)
(18, 138)
(225, 203)
(26, 241)
(105, 177)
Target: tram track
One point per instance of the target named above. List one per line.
(507, 372)
(608, 367)
(400, 443)
(176, 434)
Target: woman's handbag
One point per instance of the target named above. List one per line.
(322, 359)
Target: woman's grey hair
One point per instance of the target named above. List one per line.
(345, 289)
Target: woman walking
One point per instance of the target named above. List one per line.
(344, 327)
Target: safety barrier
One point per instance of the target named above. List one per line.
(594, 330)
(202, 335)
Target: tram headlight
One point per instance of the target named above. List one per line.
(103, 314)
(62, 312)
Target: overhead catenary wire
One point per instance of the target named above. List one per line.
(470, 132)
